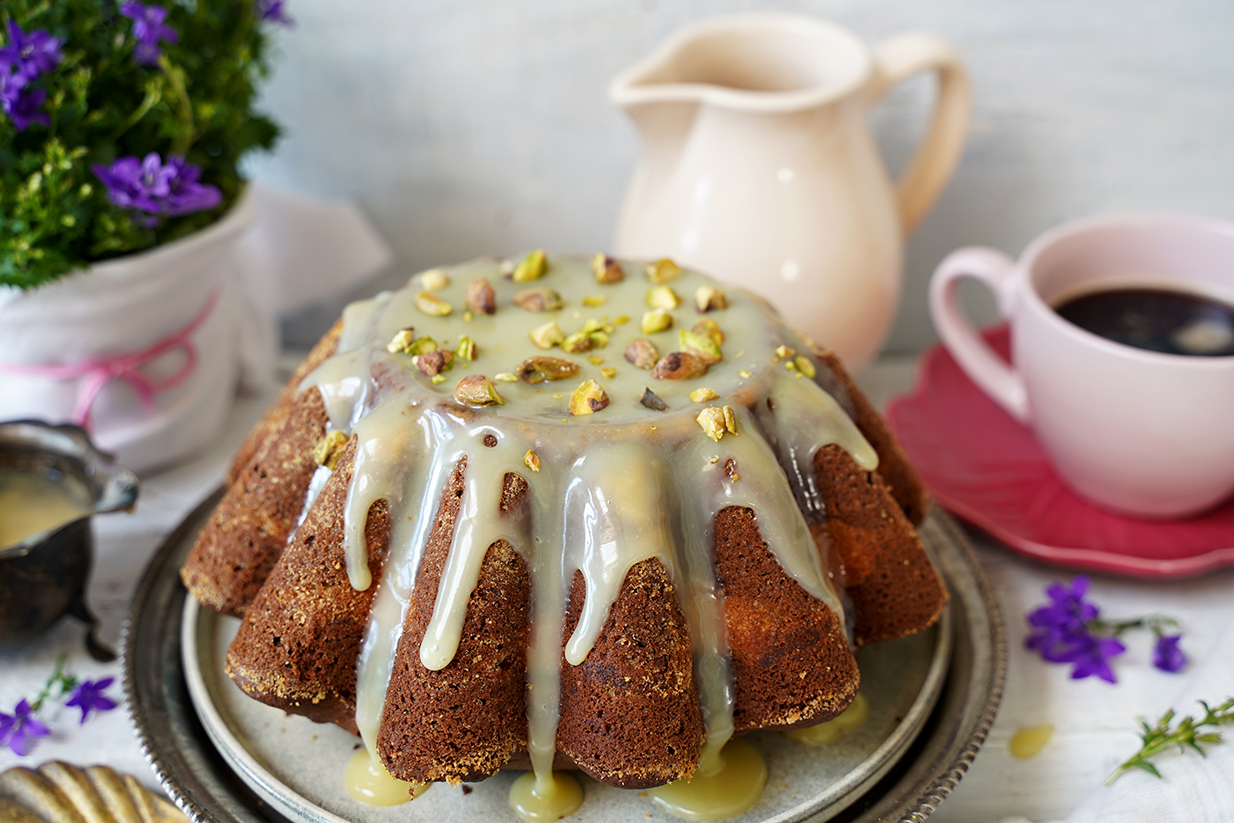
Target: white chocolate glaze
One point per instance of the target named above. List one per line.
(611, 488)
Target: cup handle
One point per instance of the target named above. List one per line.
(897, 59)
(1003, 384)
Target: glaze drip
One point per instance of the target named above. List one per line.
(609, 489)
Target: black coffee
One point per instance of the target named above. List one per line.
(1158, 320)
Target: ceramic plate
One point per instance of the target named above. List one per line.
(987, 468)
(210, 788)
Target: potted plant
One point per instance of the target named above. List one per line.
(122, 130)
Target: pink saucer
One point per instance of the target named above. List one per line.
(985, 467)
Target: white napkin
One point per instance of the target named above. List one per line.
(1194, 789)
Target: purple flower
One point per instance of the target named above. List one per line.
(31, 55)
(272, 11)
(19, 104)
(88, 696)
(167, 189)
(1166, 654)
(1060, 629)
(1091, 655)
(148, 29)
(20, 729)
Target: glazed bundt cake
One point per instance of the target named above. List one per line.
(584, 510)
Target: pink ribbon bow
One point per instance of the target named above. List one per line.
(97, 373)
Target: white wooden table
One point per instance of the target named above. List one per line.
(1094, 721)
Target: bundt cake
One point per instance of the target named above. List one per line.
(585, 510)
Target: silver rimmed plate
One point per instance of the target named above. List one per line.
(245, 761)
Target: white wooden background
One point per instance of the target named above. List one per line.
(466, 127)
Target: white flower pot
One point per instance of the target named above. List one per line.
(174, 318)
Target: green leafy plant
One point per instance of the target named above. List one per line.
(1188, 734)
(123, 124)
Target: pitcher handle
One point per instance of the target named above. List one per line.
(897, 59)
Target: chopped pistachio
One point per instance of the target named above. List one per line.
(540, 298)
(437, 379)
(477, 390)
(745, 375)
(656, 320)
(790, 365)
(467, 316)
(588, 398)
(662, 297)
(621, 319)
(706, 348)
(481, 298)
(711, 420)
(703, 395)
(577, 343)
(598, 339)
(784, 352)
(547, 336)
(532, 460)
(435, 362)
(326, 452)
(595, 359)
(532, 267)
(594, 300)
(401, 341)
(506, 377)
(708, 299)
(539, 369)
(730, 420)
(713, 460)
(804, 365)
(466, 348)
(642, 353)
(608, 373)
(434, 280)
(652, 401)
(708, 328)
(607, 270)
(662, 270)
(679, 365)
(432, 305)
(421, 345)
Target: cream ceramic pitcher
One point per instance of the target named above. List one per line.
(759, 167)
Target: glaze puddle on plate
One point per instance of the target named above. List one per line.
(297, 765)
(985, 467)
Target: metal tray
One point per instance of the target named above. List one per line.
(902, 778)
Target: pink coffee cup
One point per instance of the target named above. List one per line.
(1142, 433)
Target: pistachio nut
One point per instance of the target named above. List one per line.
(435, 362)
(662, 270)
(708, 328)
(477, 390)
(711, 420)
(326, 452)
(401, 341)
(481, 298)
(466, 348)
(434, 280)
(652, 401)
(607, 270)
(703, 395)
(532, 267)
(656, 320)
(432, 305)
(679, 365)
(642, 353)
(540, 298)
(539, 369)
(532, 460)
(804, 366)
(662, 297)
(706, 348)
(588, 398)
(577, 343)
(709, 298)
(547, 336)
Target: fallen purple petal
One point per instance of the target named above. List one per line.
(1167, 656)
(88, 696)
